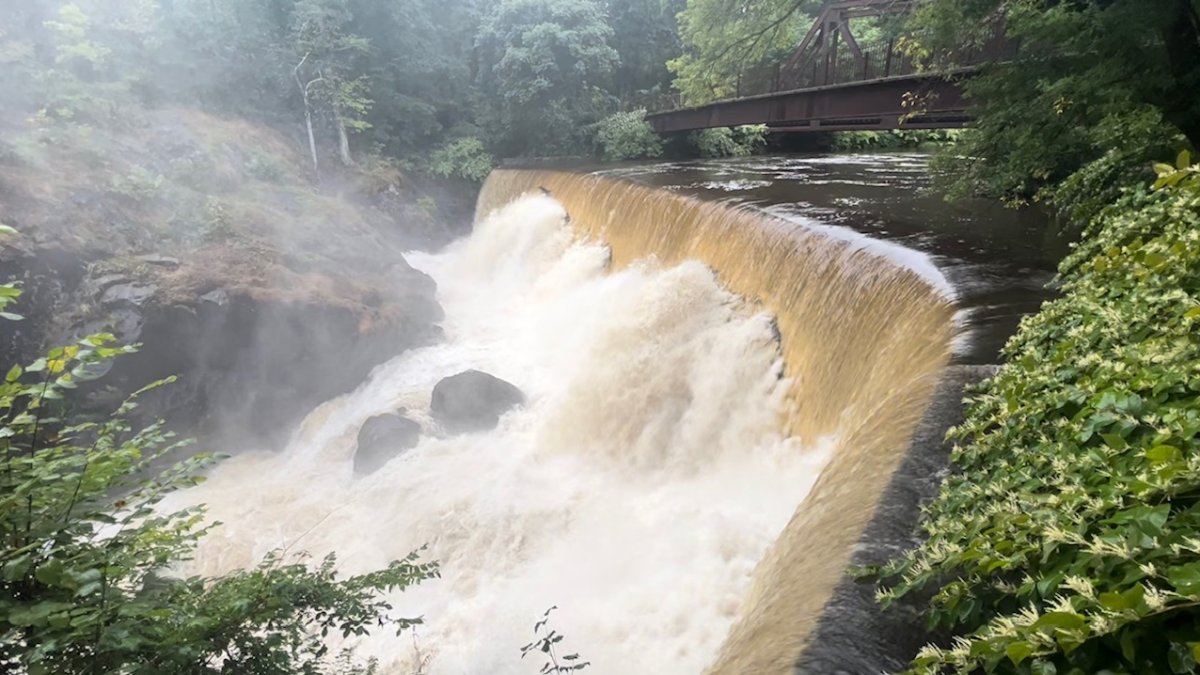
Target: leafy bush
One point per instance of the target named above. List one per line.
(462, 158)
(893, 140)
(730, 142)
(1069, 541)
(627, 135)
(85, 552)
(139, 184)
(264, 167)
(547, 642)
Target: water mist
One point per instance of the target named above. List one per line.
(638, 489)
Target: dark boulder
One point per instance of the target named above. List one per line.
(382, 439)
(473, 401)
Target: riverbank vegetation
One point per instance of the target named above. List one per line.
(1067, 540)
(89, 568)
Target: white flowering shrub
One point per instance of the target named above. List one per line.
(1068, 541)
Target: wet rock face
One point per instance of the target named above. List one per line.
(251, 362)
(254, 368)
(473, 401)
(382, 439)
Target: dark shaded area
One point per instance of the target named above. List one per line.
(853, 636)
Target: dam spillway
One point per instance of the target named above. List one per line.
(863, 340)
(717, 397)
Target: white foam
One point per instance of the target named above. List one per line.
(636, 490)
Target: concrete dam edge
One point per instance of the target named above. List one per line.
(854, 636)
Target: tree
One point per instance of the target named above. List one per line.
(724, 40)
(627, 135)
(1099, 80)
(645, 36)
(420, 69)
(546, 64)
(327, 73)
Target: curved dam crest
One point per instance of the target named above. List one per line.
(864, 342)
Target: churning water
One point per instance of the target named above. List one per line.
(637, 490)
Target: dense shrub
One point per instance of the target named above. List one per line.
(462, 158)
(627, 135)
(730, 141)
(893, 140)
(86, 553)
(1069, 539)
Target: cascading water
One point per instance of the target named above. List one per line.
(637, 490)
(864, 338)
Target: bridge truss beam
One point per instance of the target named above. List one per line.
(872, 105)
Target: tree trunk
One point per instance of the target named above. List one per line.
(308, 121)
(343, 140)
(312, 139)
(1182, 39)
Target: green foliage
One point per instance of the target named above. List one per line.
(893, 140)
(1069, 539)
(645, 36)
(1083, 72)
(87, 552)
(263, 167)
(139, 184)
(462, 158)
(546, 643)
(545, 63)
(724, 39)
(627, 135)
(739, 141)
(1133, 142)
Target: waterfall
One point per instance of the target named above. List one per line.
(863, 339)
(716, 398)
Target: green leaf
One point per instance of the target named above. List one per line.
(1184, 160)
(1160, 454)
(50, 573)
(1114, 441)
(1018, 652)
(1041, 667)
(1128, 646)
(1067, 621)
(1163, 169)
(1185, 578)
(1179, 658)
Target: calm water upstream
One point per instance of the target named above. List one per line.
(998, 259)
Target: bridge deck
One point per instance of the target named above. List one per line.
(873, 104)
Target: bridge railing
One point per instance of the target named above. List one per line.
(842, 66)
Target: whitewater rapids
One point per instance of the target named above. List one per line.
(637, 490)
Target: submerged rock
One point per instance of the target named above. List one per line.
(473, 401)
(382, 439)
